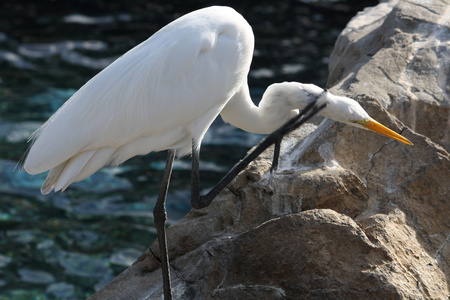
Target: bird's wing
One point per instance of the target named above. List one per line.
(183, 72)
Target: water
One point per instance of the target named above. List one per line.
(66, 245)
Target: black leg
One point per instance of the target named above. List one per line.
(198, 201)
(195, 179)
(276, 155)
(160, 216)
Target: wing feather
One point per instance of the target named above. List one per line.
(187, 70)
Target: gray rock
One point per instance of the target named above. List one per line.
(399, 54)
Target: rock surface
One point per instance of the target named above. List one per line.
(399, 53)
(349, 214)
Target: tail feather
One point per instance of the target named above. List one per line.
(72, 169)
(52, 178)
(100, 159)
(76, 169)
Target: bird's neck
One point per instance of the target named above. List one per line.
(241, 112)
(279, 104)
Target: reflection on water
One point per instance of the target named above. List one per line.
(66, 245)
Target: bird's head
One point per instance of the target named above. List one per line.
(349, 111)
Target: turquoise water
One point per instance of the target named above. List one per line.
(67, 245)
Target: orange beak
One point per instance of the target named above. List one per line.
(373, 125)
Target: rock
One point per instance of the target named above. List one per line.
(399, 53)
(349, 214)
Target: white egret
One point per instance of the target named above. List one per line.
(163, 95)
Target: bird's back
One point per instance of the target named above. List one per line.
(161, 94)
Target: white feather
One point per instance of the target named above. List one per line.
(164, 94)
(134, 100)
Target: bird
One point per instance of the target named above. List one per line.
(163, 94)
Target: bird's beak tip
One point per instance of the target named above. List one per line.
(373, 125)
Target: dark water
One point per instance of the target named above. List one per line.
(66, 245)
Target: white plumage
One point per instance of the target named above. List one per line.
(163, 94)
